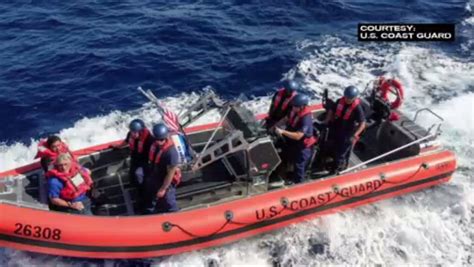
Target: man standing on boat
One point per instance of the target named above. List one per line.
(138, 140)
(299, 137)
(281, 104)
(348, 122)
(68, 183)
(163, 173)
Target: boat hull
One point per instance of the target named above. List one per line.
(157, 235)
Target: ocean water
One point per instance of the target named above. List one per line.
(73, 69)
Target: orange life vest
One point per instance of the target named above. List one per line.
(76, 182)
(340, 107)
(293, 120)
(142, 136)
(155, 158)
(280, 95)
(45, 151)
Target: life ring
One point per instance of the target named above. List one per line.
(384, 86)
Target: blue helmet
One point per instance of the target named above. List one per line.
(160, 131)
(136, 125)
(351, 92)
(300, 100)
(292, 85)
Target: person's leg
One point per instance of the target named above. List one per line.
(168, 202)
(150, 205)
(137, 183)
(301, 162)
(87, 207)
(149, 196)
(131, 173)
(343, 151)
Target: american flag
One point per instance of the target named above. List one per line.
(170, 119)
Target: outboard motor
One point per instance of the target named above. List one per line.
(382, 108)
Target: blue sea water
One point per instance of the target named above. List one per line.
(62, 61)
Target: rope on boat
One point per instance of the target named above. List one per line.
(229, 216)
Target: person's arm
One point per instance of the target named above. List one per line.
(329, 117)
(359, 130)
(172, 168)
(54, 189)
(60, 202)
(167, 182)
(63, 203)
(304, 129)
(362, 124)
(292, 135)
(122, 144)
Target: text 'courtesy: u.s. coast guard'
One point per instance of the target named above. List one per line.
(406, 32)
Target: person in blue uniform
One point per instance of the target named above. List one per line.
(281, 103)
(163, 173)
(139, 140)
(68, 184)
(348, 123)
(299, 138)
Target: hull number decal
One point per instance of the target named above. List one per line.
(37, 231)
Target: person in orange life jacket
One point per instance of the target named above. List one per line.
(68, 184)
(281, 104)
(348, 122)
(163, 173)
(49, 149)
(299, 137)
(139, 140)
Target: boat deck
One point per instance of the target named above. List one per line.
(220, 181)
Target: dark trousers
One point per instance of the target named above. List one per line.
(300, 164)
(134, 165)
(343, 152)
(162, 205)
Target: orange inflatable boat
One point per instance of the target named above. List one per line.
(225, 194)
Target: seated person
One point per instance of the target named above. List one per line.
(49, 149)
(281, 104)
(347, 123)
(299, 138)
(163, 173)
(68, 184)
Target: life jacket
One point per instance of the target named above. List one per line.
(340, 107)
(279, 97)
(45, 151)
(76, 182)
(293, 120)
(142, 136)
(155, 158)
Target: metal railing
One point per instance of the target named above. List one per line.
(438, 128)
(387, 153)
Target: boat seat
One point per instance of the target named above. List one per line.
(392, 135)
